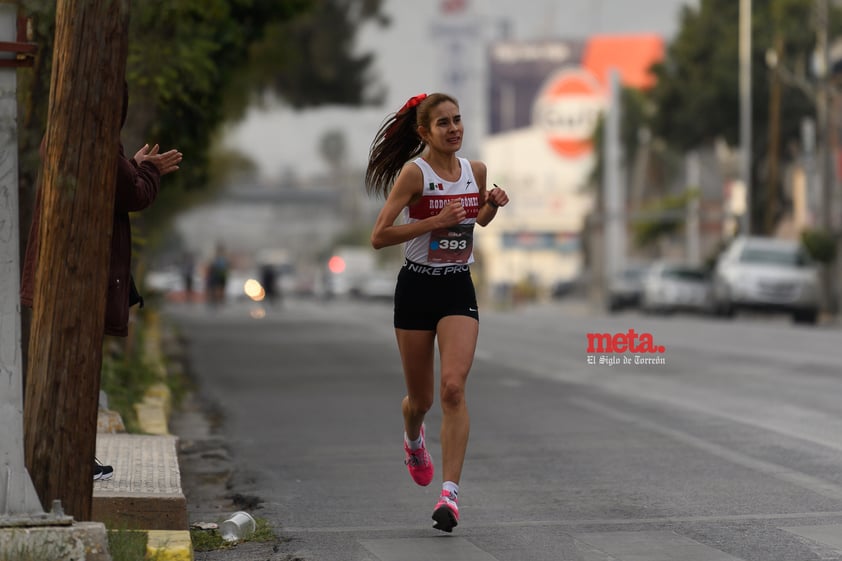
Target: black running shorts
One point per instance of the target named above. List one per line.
(425, 294)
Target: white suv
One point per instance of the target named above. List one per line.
(766, 274)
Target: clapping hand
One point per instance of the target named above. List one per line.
(166, 162)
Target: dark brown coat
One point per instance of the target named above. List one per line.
(137, 187)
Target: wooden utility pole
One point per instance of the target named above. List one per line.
(78, 187)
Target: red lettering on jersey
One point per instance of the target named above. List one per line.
(431, 205)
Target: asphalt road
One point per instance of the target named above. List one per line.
(730, 448)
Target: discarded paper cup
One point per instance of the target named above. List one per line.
(238, 527)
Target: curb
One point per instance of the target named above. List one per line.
(154, 411)
(166, 545)
(153, 414)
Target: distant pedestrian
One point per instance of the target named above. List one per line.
(217, 277)
(413, 163)
(188, 269)
(269, 280)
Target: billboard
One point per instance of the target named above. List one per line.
(545, 101)
(520, 70)
(516, 72)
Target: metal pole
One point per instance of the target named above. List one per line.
(693, 225)
(824, 114)
(613, 192)
(745, 110)
(18, 499)
(808, 141)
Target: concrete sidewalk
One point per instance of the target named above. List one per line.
(145, 492)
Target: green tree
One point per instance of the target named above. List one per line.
(697, 92)
(317, 51)
(667, 218)
(650, 166)
(195, 64)
(637, 111)
(192, 65)
(230, 54)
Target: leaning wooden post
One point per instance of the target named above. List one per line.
(77, 213)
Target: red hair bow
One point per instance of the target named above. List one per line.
(412, 102)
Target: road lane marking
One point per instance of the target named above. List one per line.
(434, 548)
(652, 546)
(829, 535)
(803, 480)
(788, 420)
(785, 419)
(711, 519)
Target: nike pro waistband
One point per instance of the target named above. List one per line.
(429, 270)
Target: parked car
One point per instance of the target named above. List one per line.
(626, 287)
(379, 284)
(670, 287)
(767, 274)
(347, 268)
(564, 288)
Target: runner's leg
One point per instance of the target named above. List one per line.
(457, 339)
(417, 356)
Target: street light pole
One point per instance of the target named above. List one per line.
(19, 502)
(823, 113)
(824, 116)
(745, 111)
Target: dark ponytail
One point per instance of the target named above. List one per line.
(397, 142)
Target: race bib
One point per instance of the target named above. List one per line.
(451, 245)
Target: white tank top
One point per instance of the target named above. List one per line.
(445, 246)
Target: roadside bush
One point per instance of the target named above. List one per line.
(820, 245)
(128, 372)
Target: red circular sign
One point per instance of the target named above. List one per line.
(568, 110)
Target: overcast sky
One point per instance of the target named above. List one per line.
(280, 139)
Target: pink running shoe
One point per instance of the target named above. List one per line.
(446, 513)
(419, 462)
